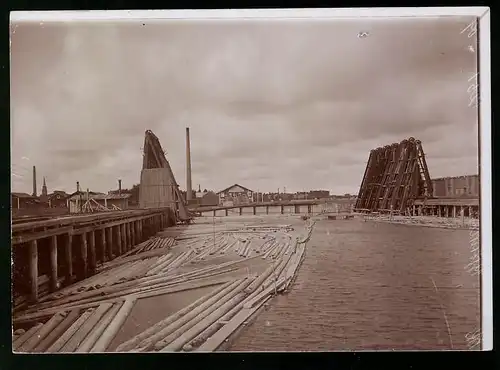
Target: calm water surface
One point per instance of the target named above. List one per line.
(368, 285)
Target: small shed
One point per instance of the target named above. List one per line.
(113, 201)
(23, 200)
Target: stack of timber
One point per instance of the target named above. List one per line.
(428, 221)
(243, 267)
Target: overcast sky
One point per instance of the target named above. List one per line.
(270, 104)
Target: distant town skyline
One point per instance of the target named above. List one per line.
(270, 104)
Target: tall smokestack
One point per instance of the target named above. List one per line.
(119, 186)
(189, 191)
(77, 186)
(34, 181)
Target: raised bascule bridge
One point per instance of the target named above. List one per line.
(397, 181)
(158, 188)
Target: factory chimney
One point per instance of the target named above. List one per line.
(78, 186)
(34, 181)
(119, 186)
(189, 190)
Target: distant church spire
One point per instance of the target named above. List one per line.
(44, 188)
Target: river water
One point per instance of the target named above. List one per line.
(368, 286)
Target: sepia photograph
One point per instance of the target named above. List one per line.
(251, 180)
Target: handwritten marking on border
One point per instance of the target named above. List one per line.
(471, 28)
(474, 265)
(473, 339)
(473, 90)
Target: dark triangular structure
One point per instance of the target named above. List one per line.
(154, 158)
(395, 176)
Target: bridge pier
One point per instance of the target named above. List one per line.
(267, 210)
(282, 210)
(254, 210)
(227, 212)
(297, 209)
(309, 209)
(241, 211)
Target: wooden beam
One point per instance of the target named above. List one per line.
(53, 264)
(26, 238)
(33, 261)
(83, 219)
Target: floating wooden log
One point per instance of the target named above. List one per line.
(108, 335)
(96, 333)
(131, 343)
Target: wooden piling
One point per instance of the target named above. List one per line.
(137, 232)
(53, 263)
(83, 254)
(68, 257)
(132, 233)
(129, 235)
(103, 245)
(109, 242)
(241, 211)
(124, 238)
(118, 239)
(33, 252)
(92, 252)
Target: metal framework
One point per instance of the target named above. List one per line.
(395, 176)
(154, 157)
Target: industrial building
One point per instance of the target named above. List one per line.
(234, 195)
(459, 186)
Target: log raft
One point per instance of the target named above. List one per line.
(87, 315)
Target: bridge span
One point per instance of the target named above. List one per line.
(297, 207)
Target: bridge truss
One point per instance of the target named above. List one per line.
(395, 176)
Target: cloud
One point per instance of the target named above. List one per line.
(295, 104)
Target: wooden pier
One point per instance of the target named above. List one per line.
(59, 251)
